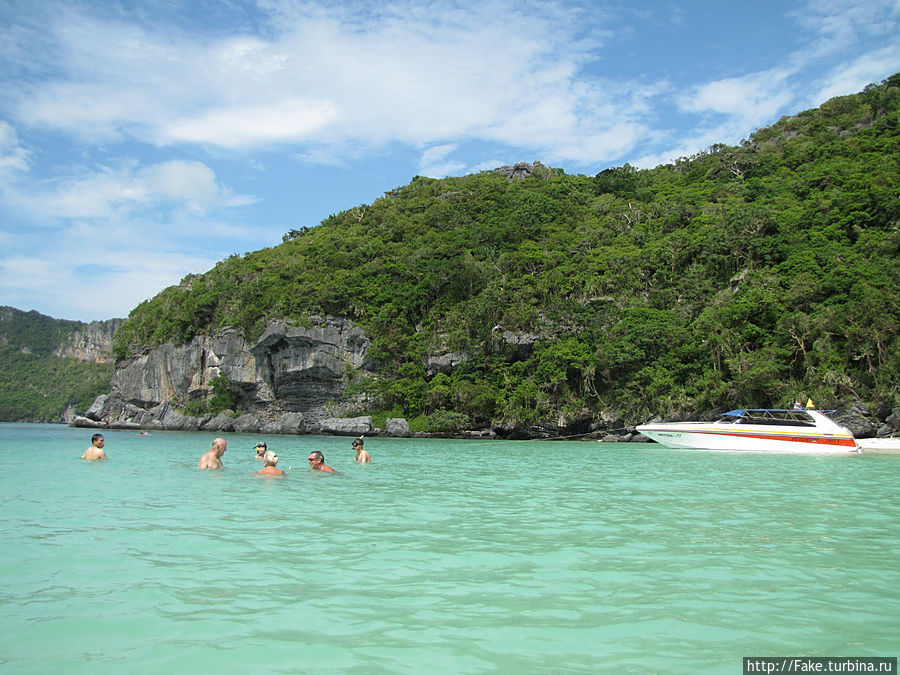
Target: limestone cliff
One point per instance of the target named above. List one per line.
(91, 342)
(292, 379)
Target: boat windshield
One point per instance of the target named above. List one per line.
(768, 416)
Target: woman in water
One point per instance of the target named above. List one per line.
(270, 459)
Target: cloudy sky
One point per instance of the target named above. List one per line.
(141, 141)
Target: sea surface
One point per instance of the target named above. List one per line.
(441, 556)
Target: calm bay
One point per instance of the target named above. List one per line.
(441, 556)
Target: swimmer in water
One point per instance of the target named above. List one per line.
(361, 455)
(96, 450)
(317, 462)
(270, 459)
(213, 458)
(260, 449)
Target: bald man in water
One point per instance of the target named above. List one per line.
(213, 458)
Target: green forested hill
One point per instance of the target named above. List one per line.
(743, 275)
(36, 385)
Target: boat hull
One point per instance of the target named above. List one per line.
(756, 439)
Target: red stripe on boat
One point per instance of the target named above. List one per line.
(824, 440)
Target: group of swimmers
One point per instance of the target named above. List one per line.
(213, 458)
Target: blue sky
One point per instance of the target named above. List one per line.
(143, 141)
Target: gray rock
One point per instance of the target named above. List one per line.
(444, 363)
(246, 424)
(308, 367)
(96, 409)
(269, 428)
(221, 422)
(292, 423)
(169, 371)
(86, 422)
(290, 376)
(175, 420)
(396, 426)
(522, 170)
(90, 343)
(858, 419)
(522, 344)
(894, 418)
(347, 426)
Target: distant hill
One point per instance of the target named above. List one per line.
(745, 275)
(48, 365)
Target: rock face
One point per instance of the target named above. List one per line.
(396, 426)
(294, 379)
(91, 343)
(858, 419)
(291, 380)
(184, 372)
(348, 426)
(522, 170)
(306, 368)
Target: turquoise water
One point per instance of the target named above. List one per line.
(441, 556)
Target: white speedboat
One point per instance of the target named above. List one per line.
(757, 430)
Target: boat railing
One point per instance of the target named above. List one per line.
(774, 418)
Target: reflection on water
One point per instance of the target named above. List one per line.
(452, 556)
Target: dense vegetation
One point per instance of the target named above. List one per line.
(35, 385)
(743, 275)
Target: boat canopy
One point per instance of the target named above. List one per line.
(778, 416)
(761, 411)
(741, 411)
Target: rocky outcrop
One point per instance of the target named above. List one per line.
(308, 368)
(184, 372)
(444, 363)
(347, 426)
(294, 379)
(860, 420)
(91, 343)
(396, 426)
(291, 380)
(522, 170)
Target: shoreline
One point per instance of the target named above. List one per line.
(887, 445)
(879, 445)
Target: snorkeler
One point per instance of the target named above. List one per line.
(361, 455)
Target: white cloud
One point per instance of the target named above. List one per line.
(107, 192)
(87, 283)
(13, 157)
(434, 162)
(171, 119)
(235, 127)
(753, 97)
(839, 24)
(192, 183)
(415, 74)
(333, 82)
(855, 75)
(102, 239)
